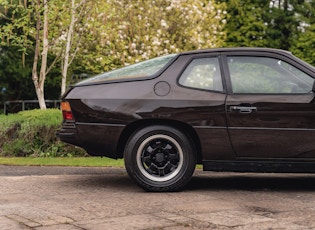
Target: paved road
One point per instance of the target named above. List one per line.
(105, 198)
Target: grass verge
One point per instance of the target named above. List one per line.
(65, 161)
(59, 161)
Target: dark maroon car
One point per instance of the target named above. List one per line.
(230, 109)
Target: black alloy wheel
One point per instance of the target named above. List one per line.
(160, 158)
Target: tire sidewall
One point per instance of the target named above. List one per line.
(174, 183)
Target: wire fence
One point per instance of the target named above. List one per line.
(21, 105)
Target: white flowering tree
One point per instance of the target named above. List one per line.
(128, 31)
(68, 42)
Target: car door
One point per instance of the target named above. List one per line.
(270, 107)
(201, 89)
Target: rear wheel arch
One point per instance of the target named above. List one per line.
(183, 127)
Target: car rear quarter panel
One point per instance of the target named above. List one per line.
(103, 111)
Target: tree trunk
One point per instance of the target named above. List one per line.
(68, 47)
(40, 82)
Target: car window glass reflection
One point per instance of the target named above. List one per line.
(138, 70)
(263, 75)
(203, 73)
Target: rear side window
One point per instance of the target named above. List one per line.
(138, 70)
(203, 73)
(265, 75)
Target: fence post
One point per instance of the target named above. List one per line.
(5, 108)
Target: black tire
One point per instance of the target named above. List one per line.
(160, 158)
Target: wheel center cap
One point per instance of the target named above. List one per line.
(159, 157)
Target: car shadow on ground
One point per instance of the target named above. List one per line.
(210, 181)
(252, 182)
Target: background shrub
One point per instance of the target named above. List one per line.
(33, 133)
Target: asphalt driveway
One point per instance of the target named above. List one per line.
(105, 198)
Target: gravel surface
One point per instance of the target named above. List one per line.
(105, 198)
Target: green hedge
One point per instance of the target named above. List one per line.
(33, 133)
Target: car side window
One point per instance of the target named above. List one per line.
(203, 73)
(264, 75)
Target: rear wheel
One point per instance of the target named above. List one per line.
(160, 158)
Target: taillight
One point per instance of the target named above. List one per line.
(66, 111)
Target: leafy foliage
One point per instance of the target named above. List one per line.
(282, 24)
(245, 24)
(124, 32)
(33, 133)
(16, 80)
(303, 44)
(16, 25)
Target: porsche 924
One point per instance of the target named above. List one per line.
(229, 109)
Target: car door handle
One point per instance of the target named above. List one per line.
(243, 109)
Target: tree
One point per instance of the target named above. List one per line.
(283, 19)
(71, 44)
(15, 81)
(40, 81)
(304, 43)
(120, 32)
(17, 31)
(25, 26)
(282, 24)
(245, 24)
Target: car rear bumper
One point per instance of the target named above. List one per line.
(68, 133)
(96, 139)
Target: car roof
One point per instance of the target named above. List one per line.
(239, 49)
